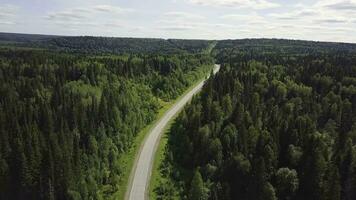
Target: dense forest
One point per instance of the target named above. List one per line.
(106, 45)
(277, 122)
(66, 118)
(227, 49)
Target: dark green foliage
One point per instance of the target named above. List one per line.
(65, 119)
(270, 49)
(277, 122)
(287, 183)
(197, 188)
(106, 45)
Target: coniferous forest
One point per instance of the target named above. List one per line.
(277, 122)
(66, 118)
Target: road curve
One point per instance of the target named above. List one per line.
(140, 175)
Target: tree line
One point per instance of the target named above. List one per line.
(105, 45)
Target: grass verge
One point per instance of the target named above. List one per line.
(156, 176)
(128, 159)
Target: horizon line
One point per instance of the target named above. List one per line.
(162, 38)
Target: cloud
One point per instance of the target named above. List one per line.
(81, 13)
(8, 10)
(7, 23)
(8, 14)
(239, 17)
(112, 9)
(306, 13)
(331, 21)
(74, 24)
(114, 25)
(179, 21)
(176, 28)
(183, 15)
(224, 26)
(342, 5)
(193, 26)
(88, 16)
(210, 19)
(65, 15)
(311, 15)
(283, 16)
(288, 26)
(251, 18)
(300, 14)
(253, 4)
(176, 21)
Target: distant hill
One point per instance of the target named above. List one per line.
(260, 49)
(284, 46)
(20, 38)
(89, 44)
(117, 45)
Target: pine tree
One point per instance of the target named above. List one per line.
(333, 187)
(287, 183)
(197, 189)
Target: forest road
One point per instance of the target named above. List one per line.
(140, 175)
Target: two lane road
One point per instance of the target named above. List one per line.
(140, 176)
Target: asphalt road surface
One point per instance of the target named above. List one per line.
(140, 176)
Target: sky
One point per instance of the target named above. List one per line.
(320, 20)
